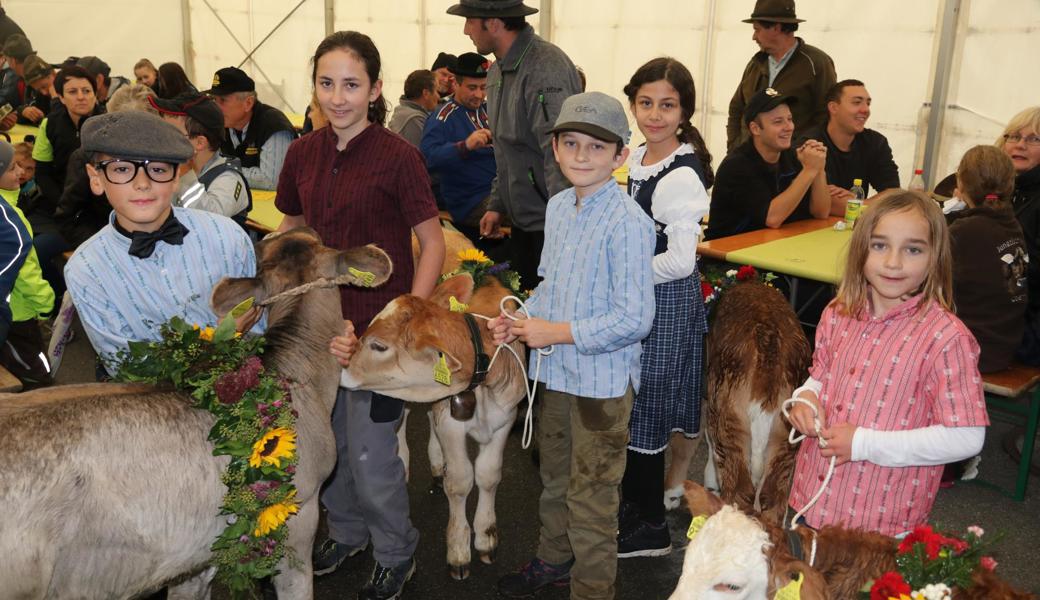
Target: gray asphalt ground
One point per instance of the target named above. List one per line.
(640, 578)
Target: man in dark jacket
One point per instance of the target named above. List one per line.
(785, 62)
(104, 82)
(258, 134)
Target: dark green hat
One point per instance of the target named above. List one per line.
(491, 9)
(777, 11)
(17, 47)
(36, 69)
(135, 135)
(471, 64)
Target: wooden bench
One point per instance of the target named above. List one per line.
(1014, 395)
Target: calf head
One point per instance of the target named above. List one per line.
(730, 557)
(410, 338)
(294, 258)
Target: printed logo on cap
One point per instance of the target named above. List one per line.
(216, 80)
(772, 92)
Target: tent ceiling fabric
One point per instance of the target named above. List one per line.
(889, 44)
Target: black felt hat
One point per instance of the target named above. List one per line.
(471, 64)
(491, 9)
(765, 101)
(776, 11)
(444, 60)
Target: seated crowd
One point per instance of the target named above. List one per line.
(153, 182)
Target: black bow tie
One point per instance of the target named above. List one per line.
(142, 243)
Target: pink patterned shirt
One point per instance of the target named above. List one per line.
(905, 370)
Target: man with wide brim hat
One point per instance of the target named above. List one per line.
(457, 146)
(525, 88)
(765, 182)
(783, 62)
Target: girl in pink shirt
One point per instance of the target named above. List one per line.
(894, 378)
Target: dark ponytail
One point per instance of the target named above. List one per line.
(679, 77)
(361, 46)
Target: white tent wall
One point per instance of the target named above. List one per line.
(892, 45)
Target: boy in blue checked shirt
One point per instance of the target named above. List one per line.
(595, 304)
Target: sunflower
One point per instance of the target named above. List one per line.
(273, 516)
(275, 445)
(205, 334)
(474, 255)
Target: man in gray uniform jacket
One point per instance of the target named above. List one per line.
(526, 86)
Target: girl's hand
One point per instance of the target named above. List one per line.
(539, 333)
(839, 442)
(499, 327)
(801, 417)
(344, 346)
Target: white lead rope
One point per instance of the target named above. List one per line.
(525, 440)
(793, 439)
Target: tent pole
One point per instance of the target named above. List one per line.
(707, 71)
(940, 88)
(186, 44)
(545, 24)
(330, 17)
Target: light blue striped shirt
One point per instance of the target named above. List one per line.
(122, 298)
(598, 276)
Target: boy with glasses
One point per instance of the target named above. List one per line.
(152, 261)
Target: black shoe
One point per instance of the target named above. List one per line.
(627, 515)
(387, 582)
(330, 555)
(644, 539)
(533, 576)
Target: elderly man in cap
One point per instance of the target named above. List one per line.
(526, 87)
(133, 158)
(785, 62)
(764, 182)
(257, 134)
(442, 70)
(105, 83)
(457, 147)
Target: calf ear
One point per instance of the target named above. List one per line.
(230, 292)
(700, 500)
(784, 569)
(459, 286)
(366, 259)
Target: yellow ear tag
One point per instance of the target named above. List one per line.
(242, 307)
(366, 278)
(695, 525)
(441, 372)
(791, 591)
(455, 306)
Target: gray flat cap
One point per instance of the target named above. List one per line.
(135, 135)
(595, 114)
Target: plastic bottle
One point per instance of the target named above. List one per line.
(917, 183)
(855, 204)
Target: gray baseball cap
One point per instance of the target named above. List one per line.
(595, 113)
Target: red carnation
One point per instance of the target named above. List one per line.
(746, 273)
(988, 563)
(889, 585)
(707, 290)
(933, 542)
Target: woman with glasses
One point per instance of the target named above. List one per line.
(57, 140)
(1021, 142)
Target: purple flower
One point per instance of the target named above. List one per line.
(244, 539)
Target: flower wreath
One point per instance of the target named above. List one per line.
(715, 282)
(479, 266)
(929, 565)
(255, 426)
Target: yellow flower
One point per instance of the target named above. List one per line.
(474, 255)
(273, 516)
(204, 334)
(275, 445)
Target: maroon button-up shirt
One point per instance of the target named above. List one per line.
(372, 192)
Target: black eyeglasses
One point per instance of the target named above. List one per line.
(120, 171)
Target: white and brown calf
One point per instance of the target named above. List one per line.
(757, 355)
(397, 356)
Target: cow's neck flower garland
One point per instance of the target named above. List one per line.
(479, 266)
(714, 283)
(255, 425)
(929, 566)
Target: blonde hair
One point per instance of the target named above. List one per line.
(985, 171)
(1027, 119)
(144, 62)
(23, 149)
(132, 97)
(851, 299)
